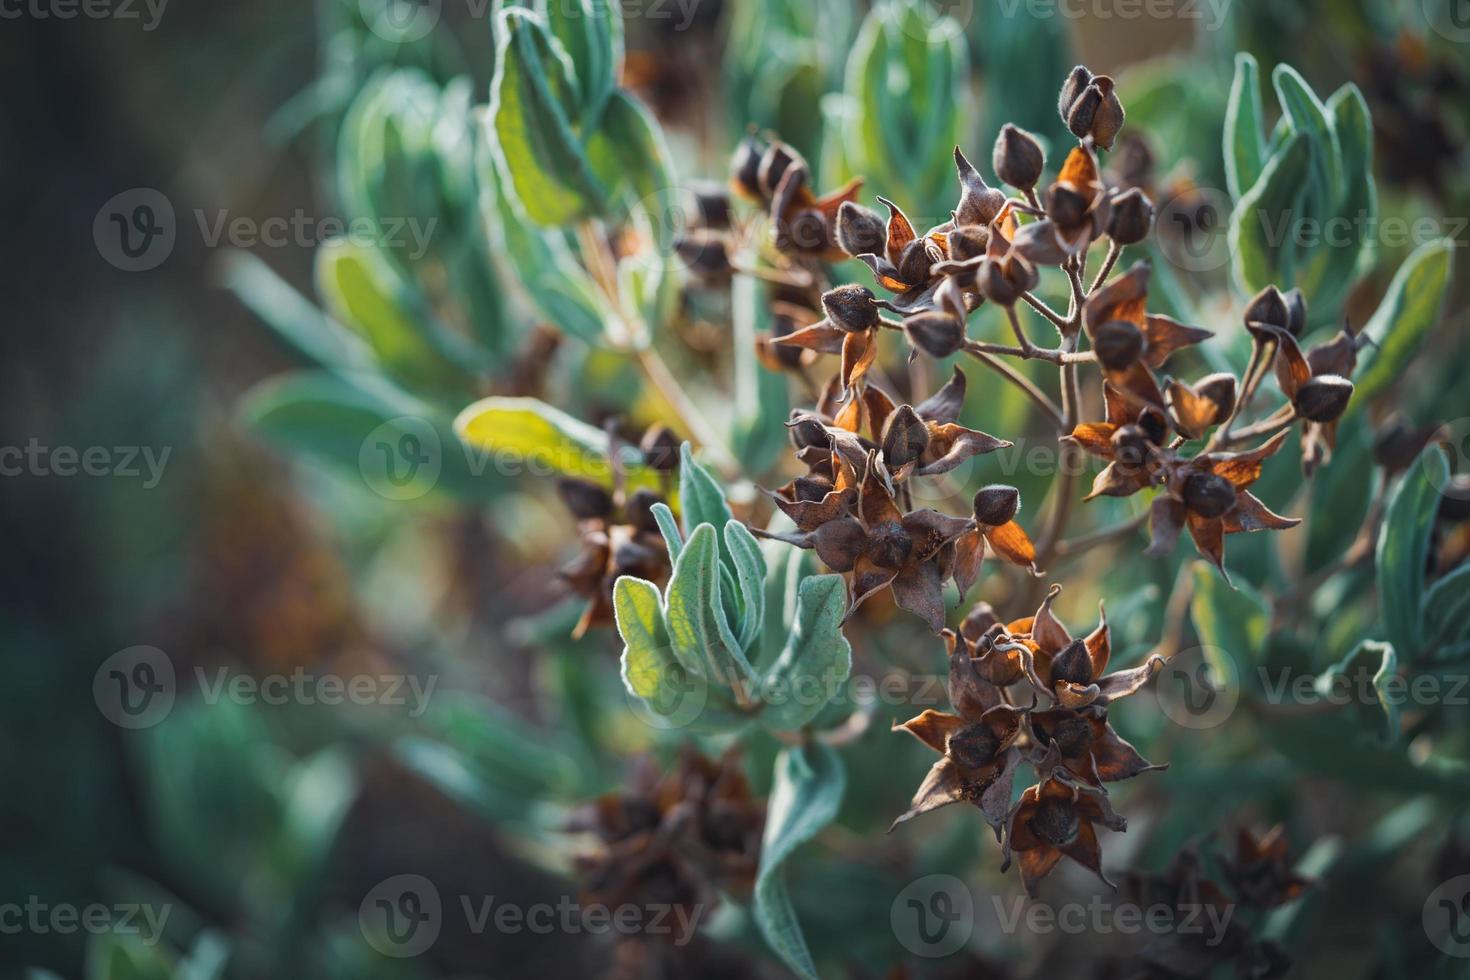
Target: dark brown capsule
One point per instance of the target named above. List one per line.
(1118, 343)
(1132, 218)
(968, 242)
(979, 203)
(1324, 399)
(905, 437)
(660, 449)
(853, 308)
(1131, 446)
(973, 747)
(1017, 159)
(996, 504)
(860, 231)
(1208, 494)
(1219, 389)
(1056, 821)
(586, 500)
(745, 167)
(936, 334)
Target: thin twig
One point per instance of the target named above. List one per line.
(1040, 307)
(1086, 542)
(1114, 250)
(1039, 397)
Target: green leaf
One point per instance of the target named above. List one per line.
(816, 657)
(1244, 140)
(525, 435)
(1309, 116)
(1348, 238)
(1403, 550)
(292, 316)
(349, 420)
(750, 572)
(1447, 609)
(695, 617)
(363, 292)
(1261, 225)
(805, 796)
(649, 669)
(1375, 662)
(1408, 312)
(591, 32)
(1231, 623)
(701, 498)
(1341, 494)
(545, 267)
(536, 149)
(669, 528)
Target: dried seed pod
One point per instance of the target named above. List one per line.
(1073, 665)
(1067, 208)
(660, 449)
(807, 433)
(1072, 90)
(1269, 307)
(1208, 494)
(840, 543)
(745, 168)
(711, 206)
(996, 505)
(979, 203)
(973, 747)
(853, 308)
(1154, 425)
(1118, 343)
(968, 242)
(916, 264)
(1220, 389)
(1131, 446)
(936, 334)
(889, 545)
(1056, 821)
(778, 159)
(586, 500)
(1396, 446)
(786, 355)
(1090, 107)
(639, 510)
(1296, 312)
(1003, 281)
(706, 254)
(860, 231)
(1017, 159)
(905, 437)
(1132, 218)
(978, 621)
(1324, 398)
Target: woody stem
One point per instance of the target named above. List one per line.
(1059, 321)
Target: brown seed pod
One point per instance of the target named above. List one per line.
(936, 334)
(1324, 398)
(660, 449)
(1017, 159)
(860, 231)
(1118, 343)
(1208, 495)
(996, 504)
(905, 437)
(1132, 217)
(586, 500)
(853, 308)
